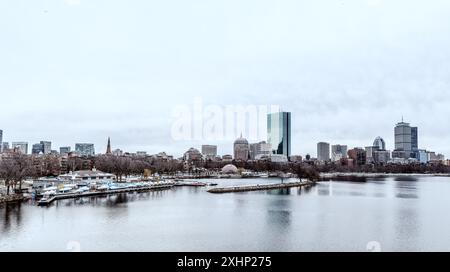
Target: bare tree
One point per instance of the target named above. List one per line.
(14, 170)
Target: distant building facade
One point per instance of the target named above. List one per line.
(422, 156)
(241, 149)
(381, 156)
(338, 152)
(85, 149)
(47, 147)
(209, 151)
(1, 141)
(260, 149)
(192, 155)
(278, 158)
(37, 149)
(21, 147)
(379, 143)
(370, 151)
(117, 152)
(357, 155)
(323, 151)
(64, 150)
(227, 158)
(295, 158)
(5, 147)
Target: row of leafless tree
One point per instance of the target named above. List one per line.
(14, 169)
(124, 166)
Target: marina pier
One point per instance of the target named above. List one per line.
(49, 200)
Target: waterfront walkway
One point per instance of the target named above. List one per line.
(247, 188)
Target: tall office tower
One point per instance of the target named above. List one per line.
(21, 147)
(64, 150)
(403, 140)
(379, 143)
(108, 148)
(37, 149)
(241, 149)
(414, 139)
(279, 132)
(47, 147)
(1, 141)
(209, 151)
(338, 152)
(85, 149)
(323, 151)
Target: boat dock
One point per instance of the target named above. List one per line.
(48, 201)
(247, 188)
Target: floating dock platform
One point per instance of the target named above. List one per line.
(262, 187)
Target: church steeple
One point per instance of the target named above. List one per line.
(108, 149)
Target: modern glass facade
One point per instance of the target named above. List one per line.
(279, 132)
(380, 143)
(85, 149)
(47, 147)
(36, 149)
(414, 139)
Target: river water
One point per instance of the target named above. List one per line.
(387, 214)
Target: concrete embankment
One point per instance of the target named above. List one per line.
(247, 188)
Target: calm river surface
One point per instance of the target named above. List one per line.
(390, 214)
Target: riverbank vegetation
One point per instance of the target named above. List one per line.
(15, 168)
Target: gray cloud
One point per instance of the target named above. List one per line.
(348, 70)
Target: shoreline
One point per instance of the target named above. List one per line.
(374, 175)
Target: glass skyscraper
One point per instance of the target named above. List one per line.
(414, 139)
(279, 132)
(85, 149)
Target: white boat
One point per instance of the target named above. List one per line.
(53, 188)
(82, 190)
(49, 193)
(103, 188)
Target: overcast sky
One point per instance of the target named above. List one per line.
(82, 70)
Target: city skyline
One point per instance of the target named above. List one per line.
(348, 75)
(328, 156)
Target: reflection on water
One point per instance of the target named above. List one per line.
(279, 218)
(408, 215)
(406, 196)
(284, 191)
(11, 215)
(406, 178)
